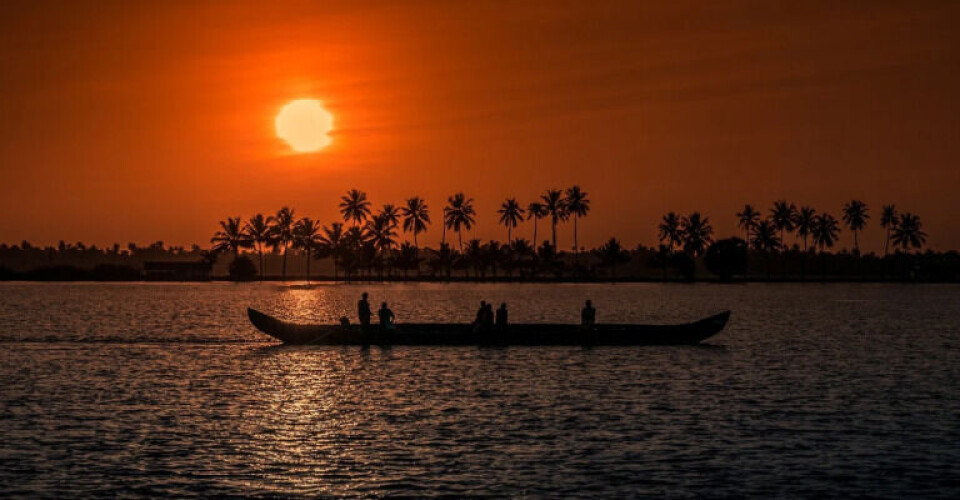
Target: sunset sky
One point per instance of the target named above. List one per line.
(142, 121)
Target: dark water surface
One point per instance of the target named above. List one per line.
(165, 390)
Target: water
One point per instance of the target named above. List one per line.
(165, 390)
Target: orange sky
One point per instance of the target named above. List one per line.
(138, 121)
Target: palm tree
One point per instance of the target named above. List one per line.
(444, 258)
(391, 214)
(282, 234)
(765, 240)
(908, 233)
(306, 236)
(855, 217)
(407, 258)
(611, 255)
(230, 237)
(889, 219)
(536, 211)
(459, 214)
(352, 241)
(577, 204)
(748, 219)
(671, 231)
(380, 232)
(804, 228)
(416, 216)
(765, 237)
(355, 207)
(473, 257)
(510, 215)
(521, 253)
(556, 207)
(824, 232)
(258, 230)
(332, 241)
(803, 223)
(783, 215)
(697, 233)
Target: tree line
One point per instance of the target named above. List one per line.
(370, 242)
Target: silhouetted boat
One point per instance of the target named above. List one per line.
(442, 334)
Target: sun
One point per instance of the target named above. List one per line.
(305, 125)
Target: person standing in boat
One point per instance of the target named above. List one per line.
(386, 317)
(363, 310)
(588, 316)
(501, 320)
(478, 322)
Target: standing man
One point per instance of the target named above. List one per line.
(501, 321)
(588, 316)
(363, 311)
(479, 325)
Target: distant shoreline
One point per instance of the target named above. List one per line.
(326, 280)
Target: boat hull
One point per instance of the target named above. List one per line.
(452, 334)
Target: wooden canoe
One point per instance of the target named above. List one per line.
(454, 334)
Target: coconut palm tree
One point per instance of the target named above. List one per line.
(355, 207)
(416, 216)
(671, 231)
(909, 233)
(611, 255)
(459, 214)
(748, 219)
(855, 217)
(556, 206)
(522, 253)
(407, 259)
(765, 240)
(577, 204)
(889, 219)
(473, 257)
(391, 214)
(510, 215)
(765, 237)
(536, 211)
(783, 216)
(697, 233)
(282, 234)
(306, 234)
(380, 232)
(331, 243)
(824, 233)
(803, 223)
(230, 237)
(258, 230)
(352, 241)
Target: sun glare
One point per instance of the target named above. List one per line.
(305, 125)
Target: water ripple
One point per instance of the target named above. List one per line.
(165, 390)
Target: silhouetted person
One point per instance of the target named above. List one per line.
(488, 317)
(480, 324)
(386, 316)
(588, 316)
(501, 320)
(363, 310)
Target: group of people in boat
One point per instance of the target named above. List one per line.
(485, 321)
